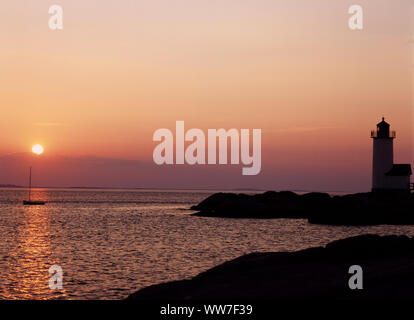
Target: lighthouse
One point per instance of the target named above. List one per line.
(385, 174)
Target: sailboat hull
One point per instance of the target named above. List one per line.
(33, 203)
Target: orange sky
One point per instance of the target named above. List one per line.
(119, 70)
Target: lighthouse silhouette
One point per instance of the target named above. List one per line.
(386, 175)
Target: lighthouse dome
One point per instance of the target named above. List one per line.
(383, 124)
(383, 129)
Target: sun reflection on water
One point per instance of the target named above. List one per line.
(29, 262)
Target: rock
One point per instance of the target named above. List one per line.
(315, 273)
(318, 208)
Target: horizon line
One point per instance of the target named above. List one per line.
(12, 186)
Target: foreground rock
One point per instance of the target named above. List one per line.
(321, 208)
(316, 273)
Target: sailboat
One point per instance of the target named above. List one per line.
(30, 202)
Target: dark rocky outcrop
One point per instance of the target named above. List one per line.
(321, 208)
(267, 205)
(315, 273)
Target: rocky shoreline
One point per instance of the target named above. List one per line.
(315, 273)
(318, 208)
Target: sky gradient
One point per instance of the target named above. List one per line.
(119, 70)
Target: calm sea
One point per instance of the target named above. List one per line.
(111, 243)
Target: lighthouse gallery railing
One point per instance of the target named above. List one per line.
(374, 134)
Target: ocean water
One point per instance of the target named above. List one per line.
(110, 243)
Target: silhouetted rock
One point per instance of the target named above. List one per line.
(320, 208)
(270, 204)
(315, 273)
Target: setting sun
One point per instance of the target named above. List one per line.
(37, 149)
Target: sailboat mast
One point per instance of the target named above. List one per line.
(30, 182)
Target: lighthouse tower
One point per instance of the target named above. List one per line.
(383, 155)
(385, 174)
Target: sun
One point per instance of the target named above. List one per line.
(37, 149)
